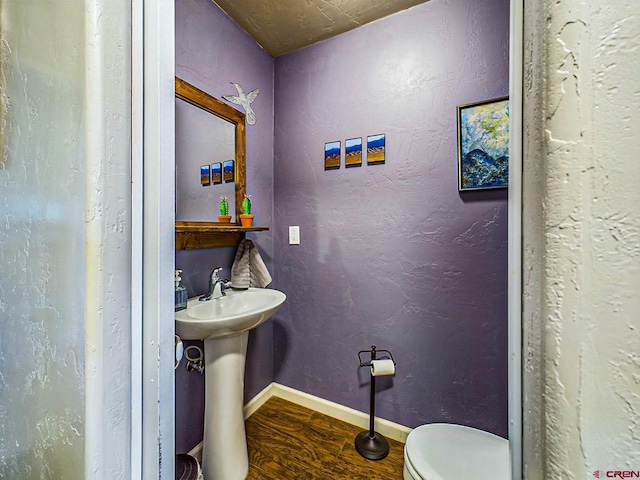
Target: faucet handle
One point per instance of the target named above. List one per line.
(214, 274)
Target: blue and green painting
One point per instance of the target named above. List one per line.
(331, 155)
(483, 145)
(227, 171)
(353, 152)
(205, 175)
(375, 149)
(216, 173)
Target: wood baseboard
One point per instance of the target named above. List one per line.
(389, 429)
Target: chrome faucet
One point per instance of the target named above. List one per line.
(217, 286)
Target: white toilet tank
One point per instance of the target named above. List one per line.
(442, 451)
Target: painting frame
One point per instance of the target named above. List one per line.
(483, 144)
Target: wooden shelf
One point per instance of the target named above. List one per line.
(194, 235)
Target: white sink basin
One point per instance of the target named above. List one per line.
(236, 312)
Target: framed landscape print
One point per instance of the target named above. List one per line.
(353, 152)
(332, 155)
(216, 173)
(205, 175)
(228, 172)
(375, 149)
(483, 144)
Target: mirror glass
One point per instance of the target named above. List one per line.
(202, 139)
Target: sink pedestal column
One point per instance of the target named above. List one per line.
(224, 452)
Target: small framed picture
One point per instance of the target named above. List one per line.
(483, 144)
(227, 171)
(332, 155)
(216, 173)
(205, 175)
(353, 152)
(375, 149)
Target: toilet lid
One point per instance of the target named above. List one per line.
(441, 451)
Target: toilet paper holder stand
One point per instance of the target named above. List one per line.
(370, 444)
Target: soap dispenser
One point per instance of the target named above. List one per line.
(181, 292)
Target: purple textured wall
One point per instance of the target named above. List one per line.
(393, 254)
(212, 51)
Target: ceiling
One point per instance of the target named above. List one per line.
(283, 26)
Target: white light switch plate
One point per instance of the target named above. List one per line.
(294, 235)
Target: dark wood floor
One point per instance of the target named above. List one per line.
(290, 442)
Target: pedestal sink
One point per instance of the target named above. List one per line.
(224, 324)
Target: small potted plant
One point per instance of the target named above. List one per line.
(224, 216)
(246, 217)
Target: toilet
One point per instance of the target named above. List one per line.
(443, 451)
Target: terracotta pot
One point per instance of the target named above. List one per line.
(246, 219)
(224, 218)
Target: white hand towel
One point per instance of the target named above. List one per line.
(248, 269)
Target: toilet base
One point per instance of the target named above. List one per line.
(373, 448)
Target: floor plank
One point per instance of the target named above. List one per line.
(287, 441)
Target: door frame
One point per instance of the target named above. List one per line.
(153, 243)
(516, 69)
(153, 248)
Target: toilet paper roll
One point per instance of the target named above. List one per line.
(382, 367)
(179, 351)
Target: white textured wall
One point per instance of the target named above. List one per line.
(65, 239)
(41, 241)
(582, 238)
(107, 223)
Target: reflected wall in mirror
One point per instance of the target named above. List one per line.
(208, 132)
(202, 141)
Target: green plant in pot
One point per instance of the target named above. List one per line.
(246, 217)
(224, 216)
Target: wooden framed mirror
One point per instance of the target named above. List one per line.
(208, 132)
(198, 115)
